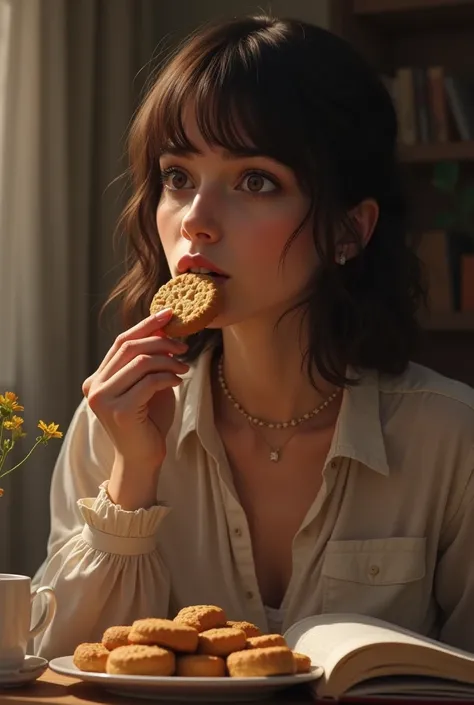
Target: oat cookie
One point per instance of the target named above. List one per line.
(114, 637)
(202, 617)
(270, 661)
(165, 633)
(195, 300)
(91, 657)
(140, 660)
(258, 642)
(247, 627)
(200, 665)
(222, 641)
(303, 662)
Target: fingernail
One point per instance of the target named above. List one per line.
(164, 313)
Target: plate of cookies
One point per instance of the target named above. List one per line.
(199, 655)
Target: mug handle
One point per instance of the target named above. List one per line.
(48, 612)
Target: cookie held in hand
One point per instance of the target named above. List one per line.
(195, 300)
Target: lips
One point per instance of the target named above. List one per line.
(200, 265)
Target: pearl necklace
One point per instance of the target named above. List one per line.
(254, 421)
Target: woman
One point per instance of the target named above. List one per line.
(289, 459)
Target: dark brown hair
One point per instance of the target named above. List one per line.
(304, 97)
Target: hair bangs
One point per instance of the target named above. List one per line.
(235, 107)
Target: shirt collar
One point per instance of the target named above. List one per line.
(358, 433)
(198, 412)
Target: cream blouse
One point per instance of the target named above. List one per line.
(390, 533)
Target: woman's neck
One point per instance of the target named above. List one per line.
(265, 371)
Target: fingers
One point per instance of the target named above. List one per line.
(140, 394)
(139, 369)
(133, 349)
(146, 327)
(133, 342)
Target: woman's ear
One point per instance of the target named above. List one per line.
(364, 216)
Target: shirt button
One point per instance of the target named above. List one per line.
(238, 531)
(374, 570)
(333, 464)
(249, 595)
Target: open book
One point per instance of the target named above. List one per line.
(363, 656)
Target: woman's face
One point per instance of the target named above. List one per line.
(238, 212)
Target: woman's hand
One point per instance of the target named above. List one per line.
(131, 394)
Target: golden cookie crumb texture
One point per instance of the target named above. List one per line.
(166, 633)
(258, 642)
(253, 663)
(91, 657)
(221, 641)
(303, 662)
(114, 637)
(202, 617)
(140, 660)
(247, 627)
(195, 300)
(200, 666)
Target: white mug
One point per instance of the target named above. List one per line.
(16, 598)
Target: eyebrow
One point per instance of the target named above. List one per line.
(228, 155)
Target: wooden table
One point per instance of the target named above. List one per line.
(54, 689)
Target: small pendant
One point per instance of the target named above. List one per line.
(275, 455)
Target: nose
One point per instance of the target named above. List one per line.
(200, 223)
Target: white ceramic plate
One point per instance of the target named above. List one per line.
(177, 688)
(33, 667)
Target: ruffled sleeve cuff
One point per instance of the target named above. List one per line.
(111, 529)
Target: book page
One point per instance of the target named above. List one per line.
(360, 647)
(413, 686)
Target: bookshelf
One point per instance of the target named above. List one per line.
(432, 153)
(393, 34)
(409, 12)
(380, 9)
(451, 321)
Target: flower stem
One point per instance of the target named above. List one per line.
(2, 454)
(21, 461)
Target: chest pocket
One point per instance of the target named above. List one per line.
(379, 577)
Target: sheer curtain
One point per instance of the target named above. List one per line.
(70, 76)
(6, 314)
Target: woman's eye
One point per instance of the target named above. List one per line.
(175, 179)
(255, 182)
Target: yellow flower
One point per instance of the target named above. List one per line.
(50, 430)
(9, 401)
(13, 424)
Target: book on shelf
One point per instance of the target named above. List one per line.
(467, 282)
(432, 104)
(363, 656)
(437, 105)
(421, 105)
(460, 92)
(404, 98)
